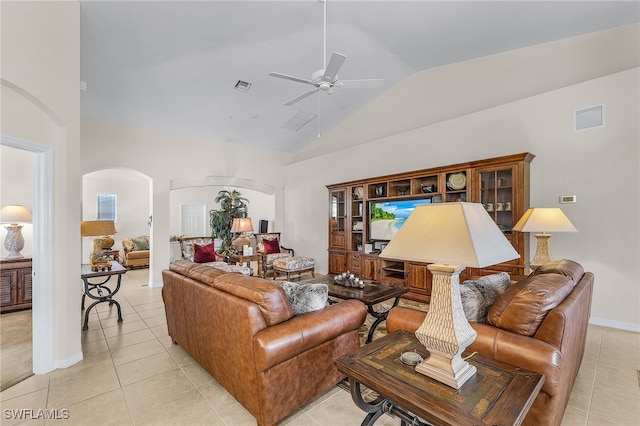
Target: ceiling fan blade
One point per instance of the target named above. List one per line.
(361, 84)
(301, 97)
(288, 77)
(337, 101)
(334, 65)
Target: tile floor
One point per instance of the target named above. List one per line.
(133, 375)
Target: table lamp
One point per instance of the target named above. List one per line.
(14, 242)
(542, 221)
(242, 226)
(99, 228)
(449, 236)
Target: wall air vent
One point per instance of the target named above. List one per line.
(588, 118)
(242, 86)
(298, 121)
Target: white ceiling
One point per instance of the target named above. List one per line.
(173, 65)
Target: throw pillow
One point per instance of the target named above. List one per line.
(140, 244)
(305, 297)
(203, 254)
(479, 294)
(271, 246)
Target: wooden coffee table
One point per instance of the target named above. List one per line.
(498, 394)
(373, 293)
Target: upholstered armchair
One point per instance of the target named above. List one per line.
(268, 245)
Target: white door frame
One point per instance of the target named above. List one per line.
(43, 271)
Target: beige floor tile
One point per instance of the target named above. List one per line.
(73, 388)
(160, 330)
(91, 335)
(143, 307)
(216, 395)
(123, 340)
(106, 409)
(198, 375)
(23, 408)
(622, 408)
(29, 385)
(178, 354)
(136, 352)
(186, 408)
(124, 328)
(144, 368)
(299, 418)
(237, 415)
(94, 348)
(338, 409)
(574, 417)
(156, 321)
(155, 391)
(151, 313)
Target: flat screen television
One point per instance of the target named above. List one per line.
(386, 217)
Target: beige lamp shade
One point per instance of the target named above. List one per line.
(450, 233)
(241, 224)
(93, 228)
(546, 220)
(15, 214)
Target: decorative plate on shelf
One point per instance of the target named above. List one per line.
(358, 192)
(457, 181)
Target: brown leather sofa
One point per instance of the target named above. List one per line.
(539, 324)
(243, 332)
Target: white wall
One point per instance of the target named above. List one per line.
(260, 206)
(600, 166)
(133, 204)
(41, 110)
(16, 187)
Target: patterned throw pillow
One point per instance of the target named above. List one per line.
(479, 294)
(140, 244)
(305, 298)
(203, 254)
(271, 246)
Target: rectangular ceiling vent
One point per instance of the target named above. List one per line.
(588, 118)
(242, 86)
(298, 121)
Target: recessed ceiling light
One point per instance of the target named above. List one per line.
(243, 86)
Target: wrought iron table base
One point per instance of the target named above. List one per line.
(104, 294)
(379, 406)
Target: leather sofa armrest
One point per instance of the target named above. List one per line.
(283, 341)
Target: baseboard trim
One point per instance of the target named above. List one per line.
(615, 324)
(65, 363)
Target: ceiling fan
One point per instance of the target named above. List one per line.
(327, 79)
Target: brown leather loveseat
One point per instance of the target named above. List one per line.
(539, 324)
(243, 332)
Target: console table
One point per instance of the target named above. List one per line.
(98, 291)
(498, 394)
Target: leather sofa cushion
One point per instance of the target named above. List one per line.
(565, 267)
(522, 308)
(205, 274)
(181, 266)
(269, 297)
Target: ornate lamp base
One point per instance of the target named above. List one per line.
(445, 331)
(542, 251)
(14, 242)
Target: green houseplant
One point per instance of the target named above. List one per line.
(232, 205)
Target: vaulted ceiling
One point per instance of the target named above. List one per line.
(173, 65)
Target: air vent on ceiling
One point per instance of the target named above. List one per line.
(298, 121)
(588, 118)
(242, 86)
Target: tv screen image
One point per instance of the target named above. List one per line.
(388, 216)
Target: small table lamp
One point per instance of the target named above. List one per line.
(451, 236)
(543, 220)
(98, 228)
(14, 242)
(242, 226)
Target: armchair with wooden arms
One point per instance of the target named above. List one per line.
(268, 245)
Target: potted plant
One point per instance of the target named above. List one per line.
(232, 205)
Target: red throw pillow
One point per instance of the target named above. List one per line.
(202, 254)
(271, 246)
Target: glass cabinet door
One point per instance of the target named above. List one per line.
(337, 218)
(497, 196)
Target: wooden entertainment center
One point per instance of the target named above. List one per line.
(501, 184)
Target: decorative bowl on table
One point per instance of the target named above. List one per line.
(349, 280)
